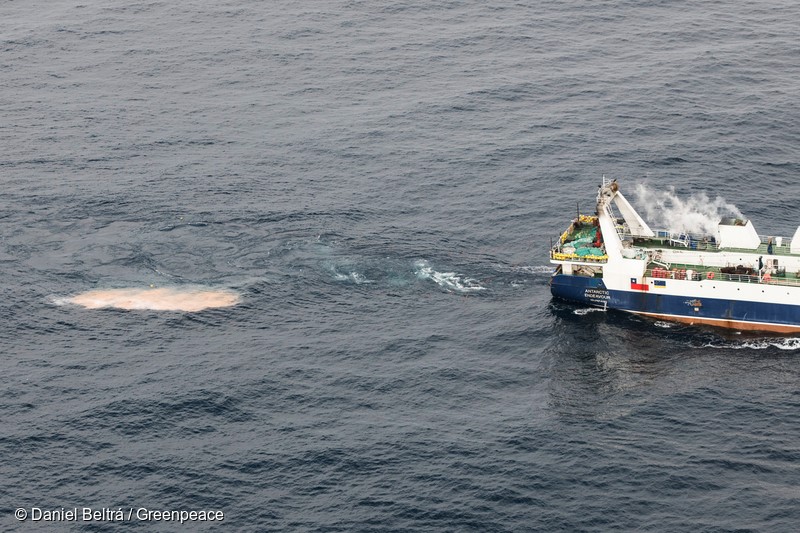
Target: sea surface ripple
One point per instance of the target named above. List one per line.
(377, 184)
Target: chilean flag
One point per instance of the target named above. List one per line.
(638, 286)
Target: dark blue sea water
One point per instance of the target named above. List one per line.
(379, 182)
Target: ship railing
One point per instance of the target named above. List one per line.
(702, 242)
(782, 243)
(715, 275)
(685, 239)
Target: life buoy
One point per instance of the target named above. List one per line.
(710, 275)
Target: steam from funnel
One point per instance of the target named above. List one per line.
(696, 214)
(162, 299)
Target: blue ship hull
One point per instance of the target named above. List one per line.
(760, 316)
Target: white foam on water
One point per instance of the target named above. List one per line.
(449, 281)
(586, 310)
(664, 324)
(352, 277)
(696, 214)
(189, 299)
(789, 343)
(535, 269)
(60, 300)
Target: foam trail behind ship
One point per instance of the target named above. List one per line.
(789, 344)
(449, 281)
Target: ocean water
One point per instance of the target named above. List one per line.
(378, 183)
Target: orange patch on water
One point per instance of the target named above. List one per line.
(162, 299)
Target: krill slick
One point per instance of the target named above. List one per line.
(187, 299)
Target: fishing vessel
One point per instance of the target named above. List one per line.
(733, 278)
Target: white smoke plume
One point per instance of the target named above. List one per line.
(697, 214)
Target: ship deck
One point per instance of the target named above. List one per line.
(679, 271)
(707, 246)
(579, 243)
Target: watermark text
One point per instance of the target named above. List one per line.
(116, 514)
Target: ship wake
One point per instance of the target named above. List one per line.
(789, 344)
(449, 281)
